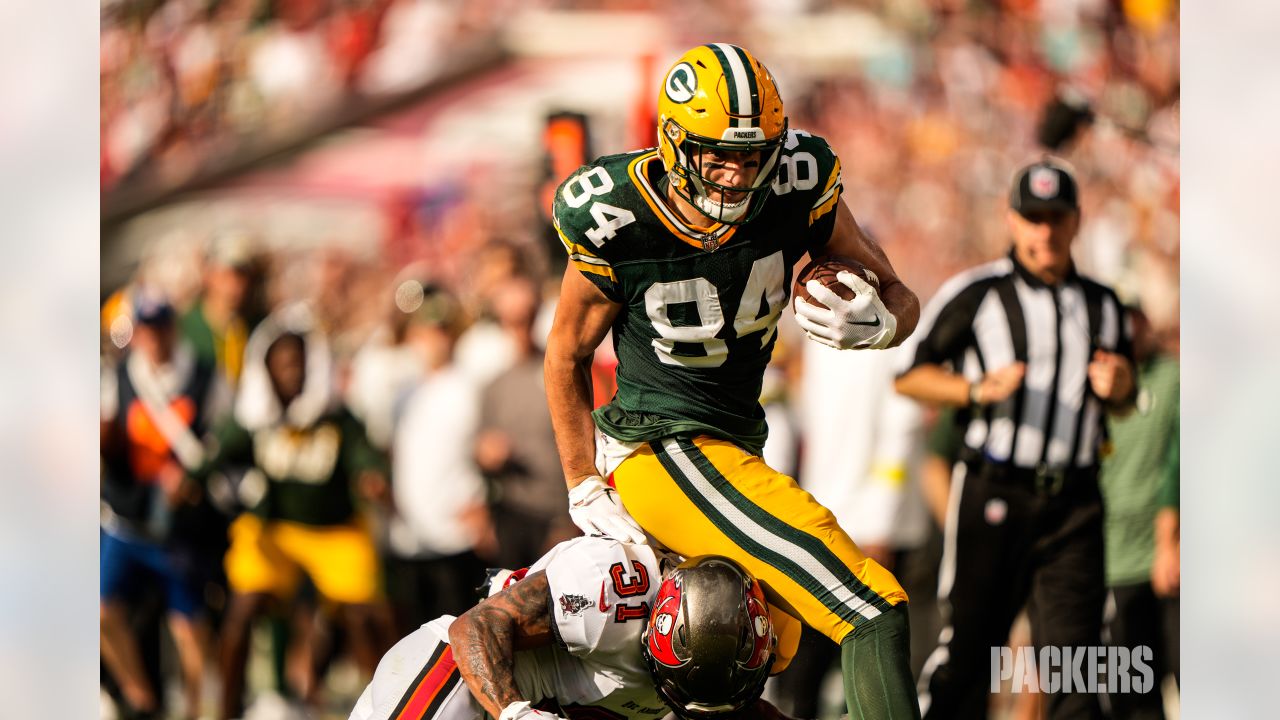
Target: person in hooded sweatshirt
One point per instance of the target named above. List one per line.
(159, 534)
(309, 459)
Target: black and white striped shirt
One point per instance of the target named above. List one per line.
(996, 314)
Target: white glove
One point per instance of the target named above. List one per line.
(595, 507)
(498, 579)
(524, 711)
(857, 324)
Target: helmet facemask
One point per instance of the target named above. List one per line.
(689, 175)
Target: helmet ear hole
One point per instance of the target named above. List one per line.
(673, 131)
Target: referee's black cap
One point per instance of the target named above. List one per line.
(1045, 185)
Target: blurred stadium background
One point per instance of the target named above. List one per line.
(334, 150)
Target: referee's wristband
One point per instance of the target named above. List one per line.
(973, 394)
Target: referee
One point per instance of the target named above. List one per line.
(1036, 353)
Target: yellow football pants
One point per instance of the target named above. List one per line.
(706, 496)
(269, 557)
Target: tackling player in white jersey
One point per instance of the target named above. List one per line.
(596, 630)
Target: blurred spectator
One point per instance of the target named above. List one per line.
(330, 290)
(942, 450)
(441, 524)
(868, 476)
(388, 366)
(215, 325)
(862, 448)
(154, 408)
(782, 448)
(414, 35)
(515, 447)
(1143, 606)
(353, 33)
(486, 348)
(308, 458)
(290, 64)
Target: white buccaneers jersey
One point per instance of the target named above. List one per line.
(601, 593)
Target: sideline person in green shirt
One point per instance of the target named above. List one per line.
(1139, 481)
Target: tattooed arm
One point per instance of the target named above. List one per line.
(486, 638)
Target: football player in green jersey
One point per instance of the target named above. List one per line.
(685, 252)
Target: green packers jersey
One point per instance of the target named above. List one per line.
(300, 475)
(700, 305)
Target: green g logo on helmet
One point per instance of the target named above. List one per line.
(682, 83)
(718, 98)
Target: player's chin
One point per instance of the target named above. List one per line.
(716, 209)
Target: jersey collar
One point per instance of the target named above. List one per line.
(717, 233)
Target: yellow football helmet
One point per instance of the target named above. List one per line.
(719, 97)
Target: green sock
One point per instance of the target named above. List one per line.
(875, 661)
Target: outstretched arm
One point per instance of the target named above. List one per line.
(486, 638)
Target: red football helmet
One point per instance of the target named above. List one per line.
(709, 644)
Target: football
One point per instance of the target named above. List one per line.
(824, 269)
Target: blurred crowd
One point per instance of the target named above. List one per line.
(186, 83)
(931, 133)
(387, 434)
(381, 415)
